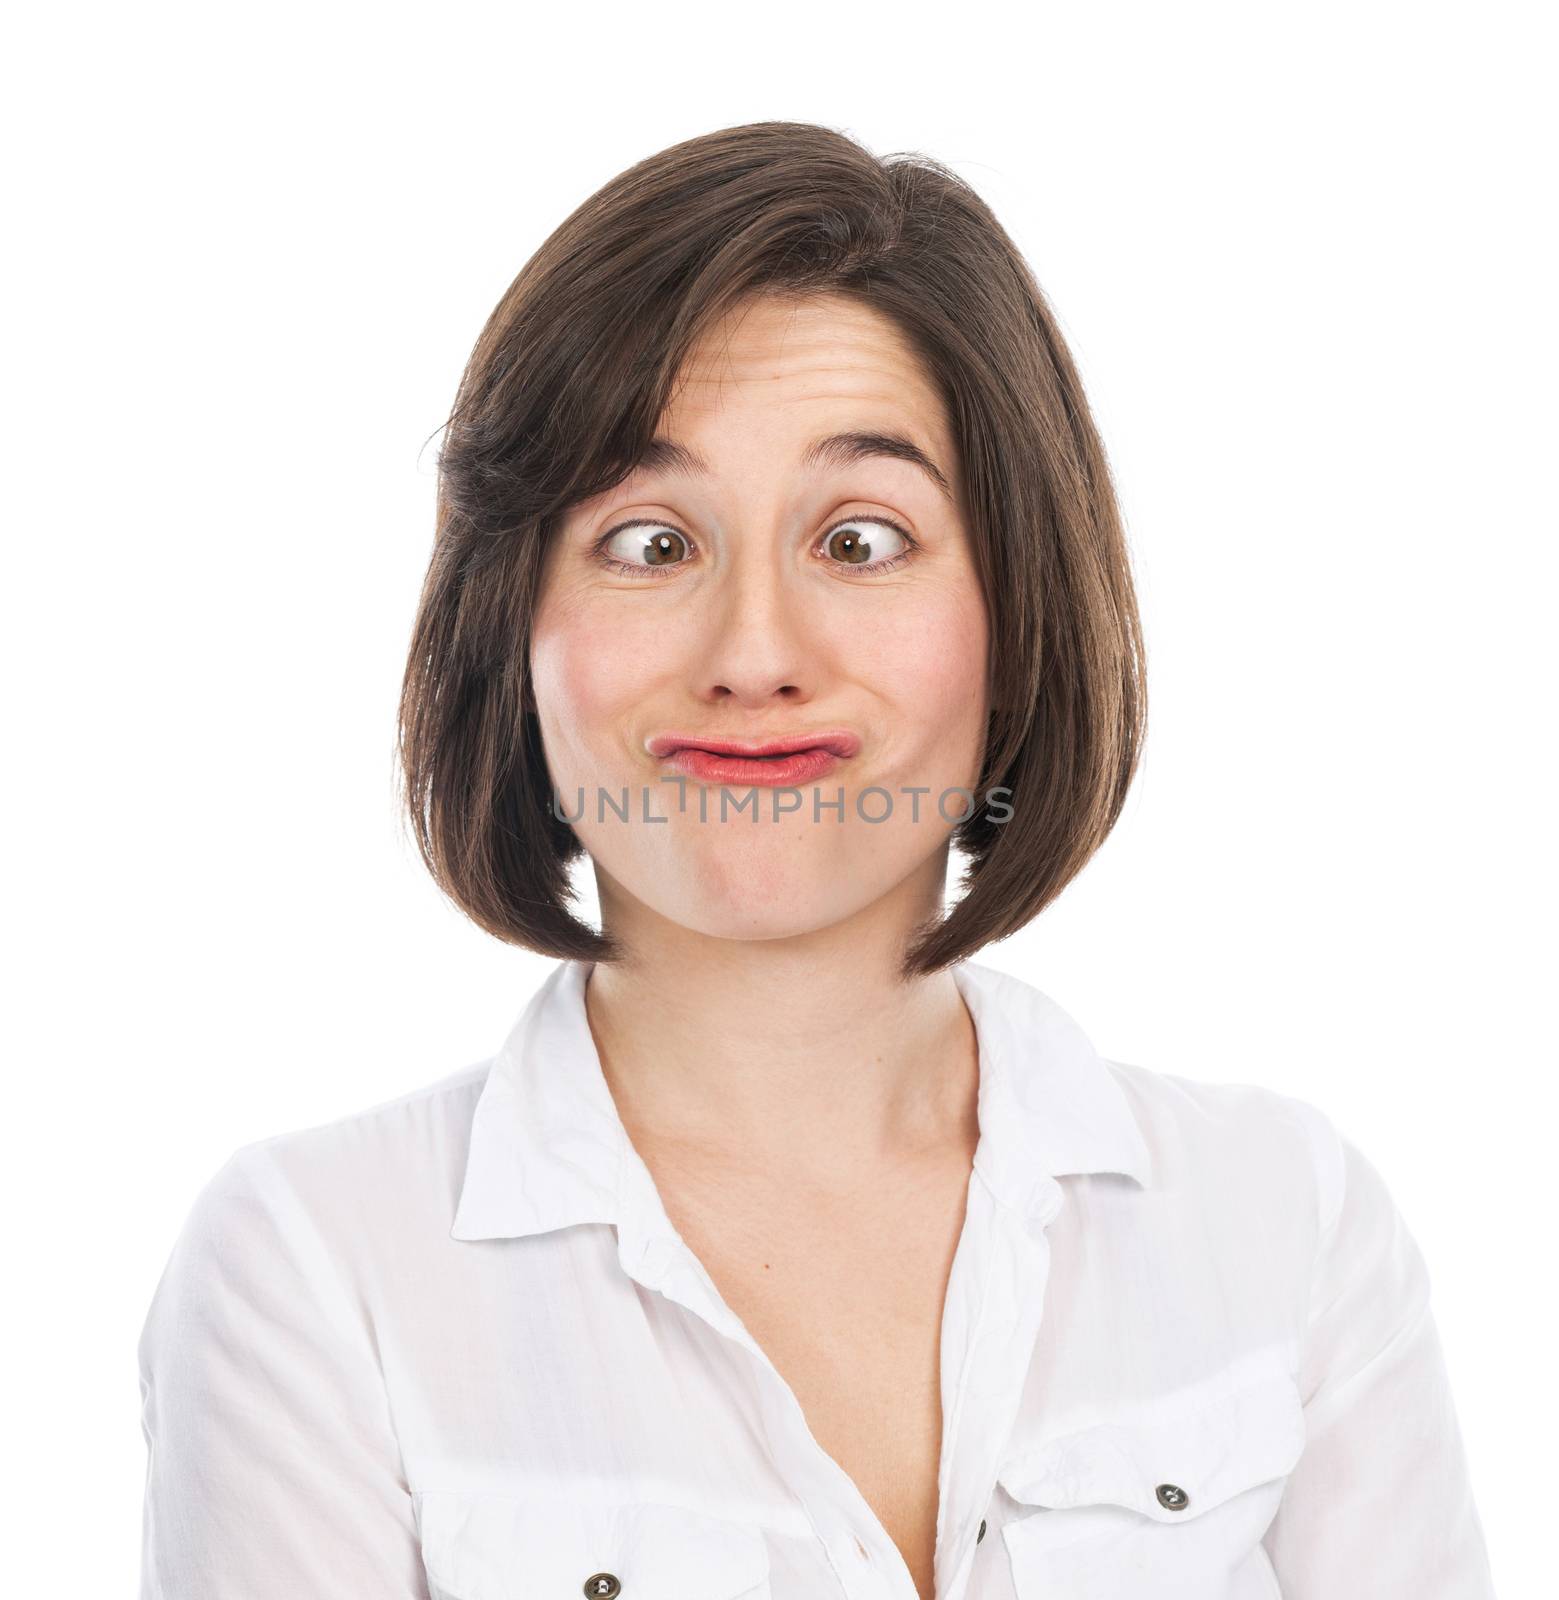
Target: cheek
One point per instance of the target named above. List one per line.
(583, 678)
(931, 669)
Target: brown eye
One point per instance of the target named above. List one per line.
(644, 545)
(866, 541)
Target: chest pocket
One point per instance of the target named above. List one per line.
(480, 1546)
(1172, 1509)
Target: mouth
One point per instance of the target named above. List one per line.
(769, 763)
(836, 742)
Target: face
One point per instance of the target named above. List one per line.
(746, 585)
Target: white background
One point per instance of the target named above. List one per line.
(1300, 254)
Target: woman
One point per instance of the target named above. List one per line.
(784, 1250)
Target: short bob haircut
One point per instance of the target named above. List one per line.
(559, 400)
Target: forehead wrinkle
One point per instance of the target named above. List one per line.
(673, 459)
(787, 350)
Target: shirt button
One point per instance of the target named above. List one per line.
(981, 1534)
(603, 1586)
(1172, 1496)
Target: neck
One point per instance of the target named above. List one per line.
(810, 1055)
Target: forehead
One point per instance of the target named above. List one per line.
(800, 358)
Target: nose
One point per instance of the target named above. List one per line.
(759, 642)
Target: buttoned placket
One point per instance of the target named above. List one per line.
(987, 1349)
(990, 1321)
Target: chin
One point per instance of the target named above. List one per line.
(755, 890)
(770, 882)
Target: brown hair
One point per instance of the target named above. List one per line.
(559, 400)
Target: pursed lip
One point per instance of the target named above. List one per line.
(838, 741)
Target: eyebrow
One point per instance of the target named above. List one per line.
(834, 450)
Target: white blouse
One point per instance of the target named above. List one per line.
(452, 1348)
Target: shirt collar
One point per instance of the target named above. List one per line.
(548, 1148)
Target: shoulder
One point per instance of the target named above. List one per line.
(331, 1199)
(1232, 1135)
(289, 1253)
(394, 1147)
(1209, 1142)
(378, 1141)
